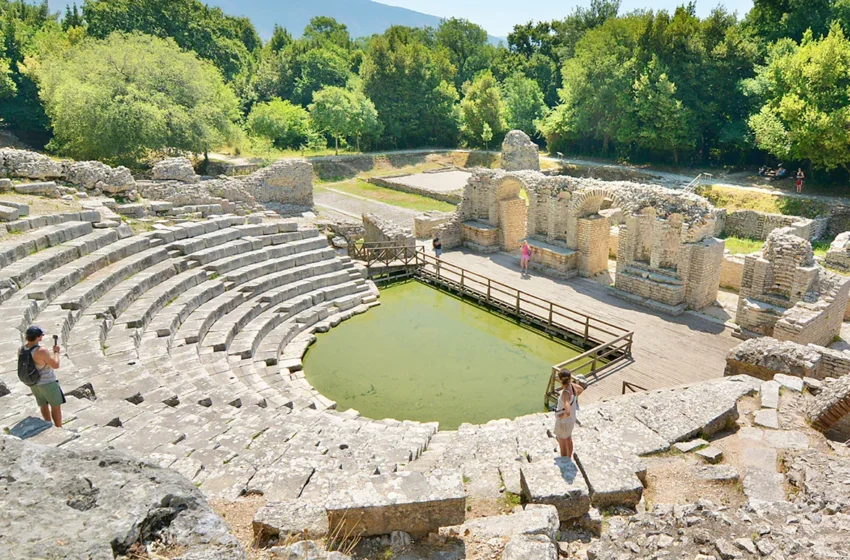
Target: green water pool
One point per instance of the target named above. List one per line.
(425, 355)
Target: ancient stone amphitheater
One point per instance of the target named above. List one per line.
(181, 355)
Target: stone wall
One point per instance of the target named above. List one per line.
(388, 183)
(425, 225)
(752, 224)
(286, 181)
(838, 255)
(765, 357)
(785, 294)
(378, 230)
(732, 271)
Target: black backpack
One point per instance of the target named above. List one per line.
(27, 370)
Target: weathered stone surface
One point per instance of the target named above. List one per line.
(688, 446)
(717, 473)
(293, 518)
(765, 357)
(767, 418)
(786, 439)
(84, 500)
(525, 547)
(794, 383)
(175, 169)
(96, 175)
(764, 485)
(769, 394)
(287, 181)
(519, 153)
(559, 483)
(831, 405)
(48, 189)
(29, 165)
(711, 454)
(403, 501)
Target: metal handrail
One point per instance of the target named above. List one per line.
(693, 185)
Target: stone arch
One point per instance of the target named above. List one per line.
(589, 201)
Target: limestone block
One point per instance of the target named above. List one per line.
(765, 357)
(766, 418)
(405, 501)
(688, 446)
(530, 546)
(612, 480)
(519, 152)
(711, 454)
(717, 473)
(290, 519)
(8, 214)
(48, 189)
(175, 169)
(792, 383)
(786, 439)
(764, 485)
(96, 175)
(29, 165)
(5, 185)
(769, 394)
(559, 483)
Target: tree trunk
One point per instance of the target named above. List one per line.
(676, 156)
(606, 139)
(336, 145)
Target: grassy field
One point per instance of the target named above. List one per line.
(741, 245)
(739, 199)
(359, 187)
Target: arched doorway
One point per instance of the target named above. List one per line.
(590, 230)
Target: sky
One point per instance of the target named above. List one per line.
(498, 17)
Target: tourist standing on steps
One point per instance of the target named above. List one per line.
(565, 413)
(526, 256)
(47, 392)
(438, 246)
(800, 177)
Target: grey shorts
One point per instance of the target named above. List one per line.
(48, 393)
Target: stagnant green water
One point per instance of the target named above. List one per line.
(425, 355)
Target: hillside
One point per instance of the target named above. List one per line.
(363, 17)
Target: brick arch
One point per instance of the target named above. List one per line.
(589, 200)
(509, 187)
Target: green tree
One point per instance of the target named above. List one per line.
(805, 90)
(285, 124)
(524, 103)
(319, 68)
(280, 39)
(225, 40)
(656, 120)
(330, 113)
(466, 43)
(482, 111)
(344, 114)
(121, 98)
(771, 20)
(323, 30)
(72, 18)
(412, 88)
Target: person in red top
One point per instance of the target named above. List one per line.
(800, 177)
(526, 257)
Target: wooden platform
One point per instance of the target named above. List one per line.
(667, 351)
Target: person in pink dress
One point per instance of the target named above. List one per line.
(526, 257)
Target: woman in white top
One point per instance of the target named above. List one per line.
(565, 413)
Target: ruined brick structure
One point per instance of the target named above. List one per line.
(787, 295)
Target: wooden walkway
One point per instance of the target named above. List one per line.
(667, 351)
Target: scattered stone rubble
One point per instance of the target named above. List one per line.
(100, 504)
(378, 230)
(286, 185)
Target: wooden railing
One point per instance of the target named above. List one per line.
(383, 253)
(608, 343)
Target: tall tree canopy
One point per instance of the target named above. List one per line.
(806, 101)
(120, 98)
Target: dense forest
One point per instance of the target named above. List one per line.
(118, 80)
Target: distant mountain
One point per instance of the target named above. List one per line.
(363, 17)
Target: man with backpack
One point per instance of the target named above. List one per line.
(36, 367)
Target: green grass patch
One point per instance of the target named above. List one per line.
(820, 248)
(742, 245)
(361, 188)
(742, 199)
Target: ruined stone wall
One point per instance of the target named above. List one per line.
(753, 224)
(286, 181)
(732, 272)
(838, 255)
(593, 233)
(785, 294)
(700, 265)
(765, 357)
(378, 230)
(426, 224)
